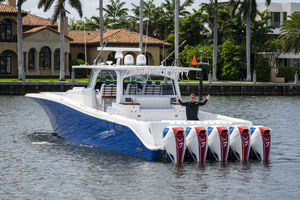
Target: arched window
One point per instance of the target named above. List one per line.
(5, 31)
(5, 62)
(45, 58)
(57, 59)
(31, 59)
(81, 56)
(149, 58)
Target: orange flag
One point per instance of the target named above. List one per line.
(194, 62)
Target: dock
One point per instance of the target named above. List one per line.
(217, 89)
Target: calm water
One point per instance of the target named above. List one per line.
(36, 165)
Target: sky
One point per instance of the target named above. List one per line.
(89, 7)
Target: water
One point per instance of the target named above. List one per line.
(34, 164)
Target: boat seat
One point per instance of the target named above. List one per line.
(152, 89)
(132, 88)
(108, 90)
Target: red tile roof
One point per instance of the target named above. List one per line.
(37, 29)
(78, 36)
(33, 20)
(117, 36)
(27, 19)
(6, 9)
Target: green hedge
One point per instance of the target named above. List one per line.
(263, 69)
(79, 73)
(287, 72)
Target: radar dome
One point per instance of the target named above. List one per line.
(141, 60)
(128, 60)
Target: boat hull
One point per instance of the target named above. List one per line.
(79, 127)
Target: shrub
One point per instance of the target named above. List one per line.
(233, 57)
(287, 72)
(79, 73)
(263, 69)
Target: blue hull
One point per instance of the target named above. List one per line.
(81, 128)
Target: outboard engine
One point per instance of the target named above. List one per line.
(196, 141)
(261, 142)
(174, 143)
(240, 142)
(218, 142)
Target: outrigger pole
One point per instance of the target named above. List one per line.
(176, 62)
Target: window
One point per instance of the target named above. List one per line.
(284, 16)
(45, 58)
(31, 59)
(148, 85)
(57, 59)
(5, 31)
(5, 62)
(275, 19)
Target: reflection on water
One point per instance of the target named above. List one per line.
(35, 164)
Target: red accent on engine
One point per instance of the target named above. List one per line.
(179, 137)
(202, 142)
(266, 138)
(245, 137)
(223, 132)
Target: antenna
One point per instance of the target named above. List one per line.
(101, 51)
(162, 62)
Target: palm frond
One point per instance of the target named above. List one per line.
(76, 4)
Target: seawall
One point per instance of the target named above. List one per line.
(224, 89)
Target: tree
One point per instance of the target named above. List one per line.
(168, 7)
(193, 27)
(290, 34)
(154, 20)
(215, 53)
(60, 10)
(233, 57)
(248, 10)
(116, 14)
(21, 75)
(76, 25)
(211, 10)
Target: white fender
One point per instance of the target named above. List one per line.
(196, 141)
(174, 143)
(261, 141)
(240, 140)
(218, 142)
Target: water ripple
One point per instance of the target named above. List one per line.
(35, 164)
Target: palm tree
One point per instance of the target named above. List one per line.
(215, 51)
(249, 9)
(116, 13)
(60, 10)
(21, 75)
(290, 34)
(169, 6)
(210, 11)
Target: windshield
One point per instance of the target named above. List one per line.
(108, 77)
(148, 85)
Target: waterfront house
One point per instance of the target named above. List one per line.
(41, 44)
(279, 13)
